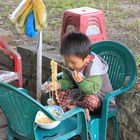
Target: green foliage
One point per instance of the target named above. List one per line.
(135, 24)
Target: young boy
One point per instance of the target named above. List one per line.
(87, 84)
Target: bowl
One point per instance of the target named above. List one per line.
(45, 122)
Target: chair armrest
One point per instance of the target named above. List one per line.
(23, 90)
(105, 105)
(71, 113)
(66, 115)
(107, 98)
(119, 91)
(13, 54)
(115, 93)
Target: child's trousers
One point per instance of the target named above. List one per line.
(90, 102)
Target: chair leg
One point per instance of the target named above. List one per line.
(93, 127)
(84, 133)
(20, 84)
(10, 137)
(115, 128)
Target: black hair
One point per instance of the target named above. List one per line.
(75, 43)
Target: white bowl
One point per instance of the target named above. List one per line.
(55, 110)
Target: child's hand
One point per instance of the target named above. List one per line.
(51, 86)
(77, 76)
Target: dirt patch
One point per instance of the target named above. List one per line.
(123, 27)
(122, 23)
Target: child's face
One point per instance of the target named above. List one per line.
(75, 63)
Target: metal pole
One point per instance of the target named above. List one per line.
(39, 67)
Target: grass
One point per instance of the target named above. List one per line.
(55, 9)
(115, 15)
(135, 25)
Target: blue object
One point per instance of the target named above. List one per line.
(123, 74)
(30, 30)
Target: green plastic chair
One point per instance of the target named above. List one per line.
(20, 110)
(122, 73)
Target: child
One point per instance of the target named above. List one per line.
(87, 84)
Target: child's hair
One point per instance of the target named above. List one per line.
(75, 43)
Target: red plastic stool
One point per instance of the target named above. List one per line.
(16, 74)
(87, 20)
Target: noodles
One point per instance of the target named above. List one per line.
(54, 73)
(44, 119)
(54, 78)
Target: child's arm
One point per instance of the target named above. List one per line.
(63, 84)
(50, 86)
(78, 76)
(91, 85)
(66, 82)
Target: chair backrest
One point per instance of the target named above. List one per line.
(20, 110)
(121, 62)
(16, 59)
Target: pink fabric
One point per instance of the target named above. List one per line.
(8, 76)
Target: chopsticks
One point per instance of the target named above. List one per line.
(64, 67)
(67, 68)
